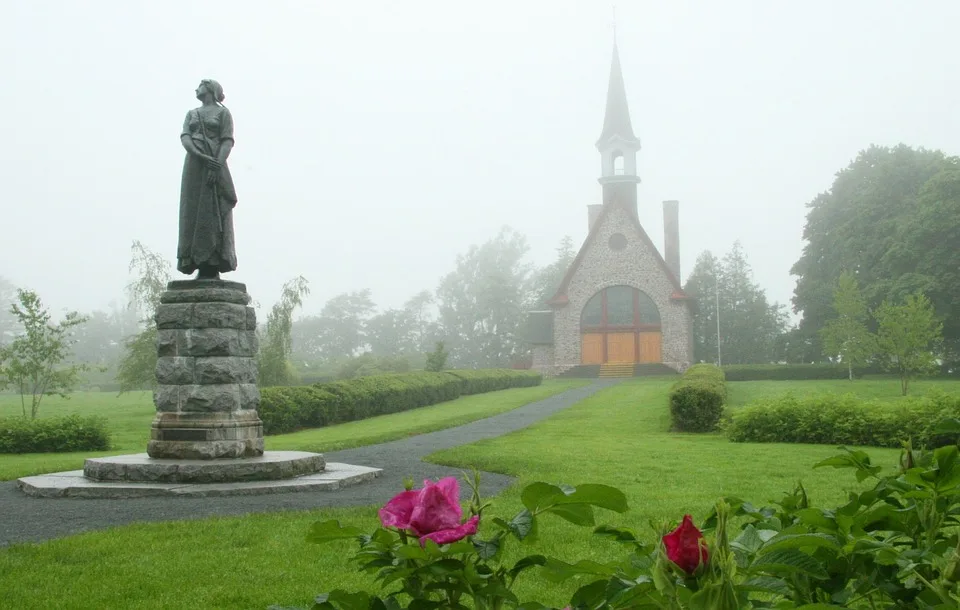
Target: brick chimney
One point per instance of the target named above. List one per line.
(593, 212)
(671, 236)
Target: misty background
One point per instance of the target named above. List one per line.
(378, 140)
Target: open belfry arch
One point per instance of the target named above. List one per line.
(621, 301)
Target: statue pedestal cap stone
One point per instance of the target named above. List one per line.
(207, 394)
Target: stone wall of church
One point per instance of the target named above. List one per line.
(543, 360)
(635, 265)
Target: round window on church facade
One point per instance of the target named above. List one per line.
(618, 241)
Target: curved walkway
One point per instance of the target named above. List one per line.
(28, 519)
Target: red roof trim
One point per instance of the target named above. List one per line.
(560, 298)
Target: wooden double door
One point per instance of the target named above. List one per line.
(618, 347)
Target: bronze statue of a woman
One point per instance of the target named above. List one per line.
(207, 195)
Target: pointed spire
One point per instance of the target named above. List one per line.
(616, 120)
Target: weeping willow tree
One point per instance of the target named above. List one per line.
(276, 342)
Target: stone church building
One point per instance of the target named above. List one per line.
(620, 302)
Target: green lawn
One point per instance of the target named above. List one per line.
(617, 437)
(130, 416)
(881, 388)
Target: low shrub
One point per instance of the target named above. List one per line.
(787, 372)
(696, 401)
(844, 419)
(491, 380)
(54, 434)
(285, 409)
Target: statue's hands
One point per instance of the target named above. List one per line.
(213, 170)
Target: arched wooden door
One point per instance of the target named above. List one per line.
(620, 324)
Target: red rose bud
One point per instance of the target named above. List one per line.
(685, 547)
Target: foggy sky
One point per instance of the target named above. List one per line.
(377, 140)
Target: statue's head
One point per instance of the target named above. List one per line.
(208, 85)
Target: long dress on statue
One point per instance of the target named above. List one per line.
(206, 209)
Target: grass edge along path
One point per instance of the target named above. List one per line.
(135, 427)
(618, 436)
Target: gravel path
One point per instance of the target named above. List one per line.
(26, 519)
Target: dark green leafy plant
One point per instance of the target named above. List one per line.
(845, 420)
(893, 545)
(54, 434)
(696, 401)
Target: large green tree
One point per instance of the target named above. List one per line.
(750, 326)
(420, 309)
(892, 217)
(482, 302)
(847, 335)
(545, 281)
(391, 333)
(338, 332)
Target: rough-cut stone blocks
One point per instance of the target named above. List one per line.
(219, 315)
(206, 396)
(601, 266)
(226, 369)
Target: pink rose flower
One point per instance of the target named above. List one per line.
(432, 512)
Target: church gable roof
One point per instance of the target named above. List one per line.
(560, 298)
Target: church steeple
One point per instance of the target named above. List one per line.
(616, 119)
(617, 144)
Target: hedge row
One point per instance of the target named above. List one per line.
(491, 380)
(834, 419)
(696, 400)
(285, 409)
(54, 434)
(787, 372)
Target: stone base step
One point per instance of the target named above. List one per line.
(73, 484)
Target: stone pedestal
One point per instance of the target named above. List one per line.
(207, 394)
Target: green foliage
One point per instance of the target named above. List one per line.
(491, 380)
(847, 334)
(276, 343)
(137, 368)
(482, 302)
(907, 336)
(34, 362)
(894, 545)
(893, 215)
(471, 573)
(284, 409)
(785, 372)
(437, 359)
(545, 282)
(696, 400)
(369, 364)
(844, 419)
(54, 434)
(750, 327)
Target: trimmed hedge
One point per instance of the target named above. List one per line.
(696, 401)
(285, 409)
(491, 380)
(787, 372)
(54, 434)
(844, 419)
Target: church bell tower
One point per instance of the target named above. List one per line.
(618, 145)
